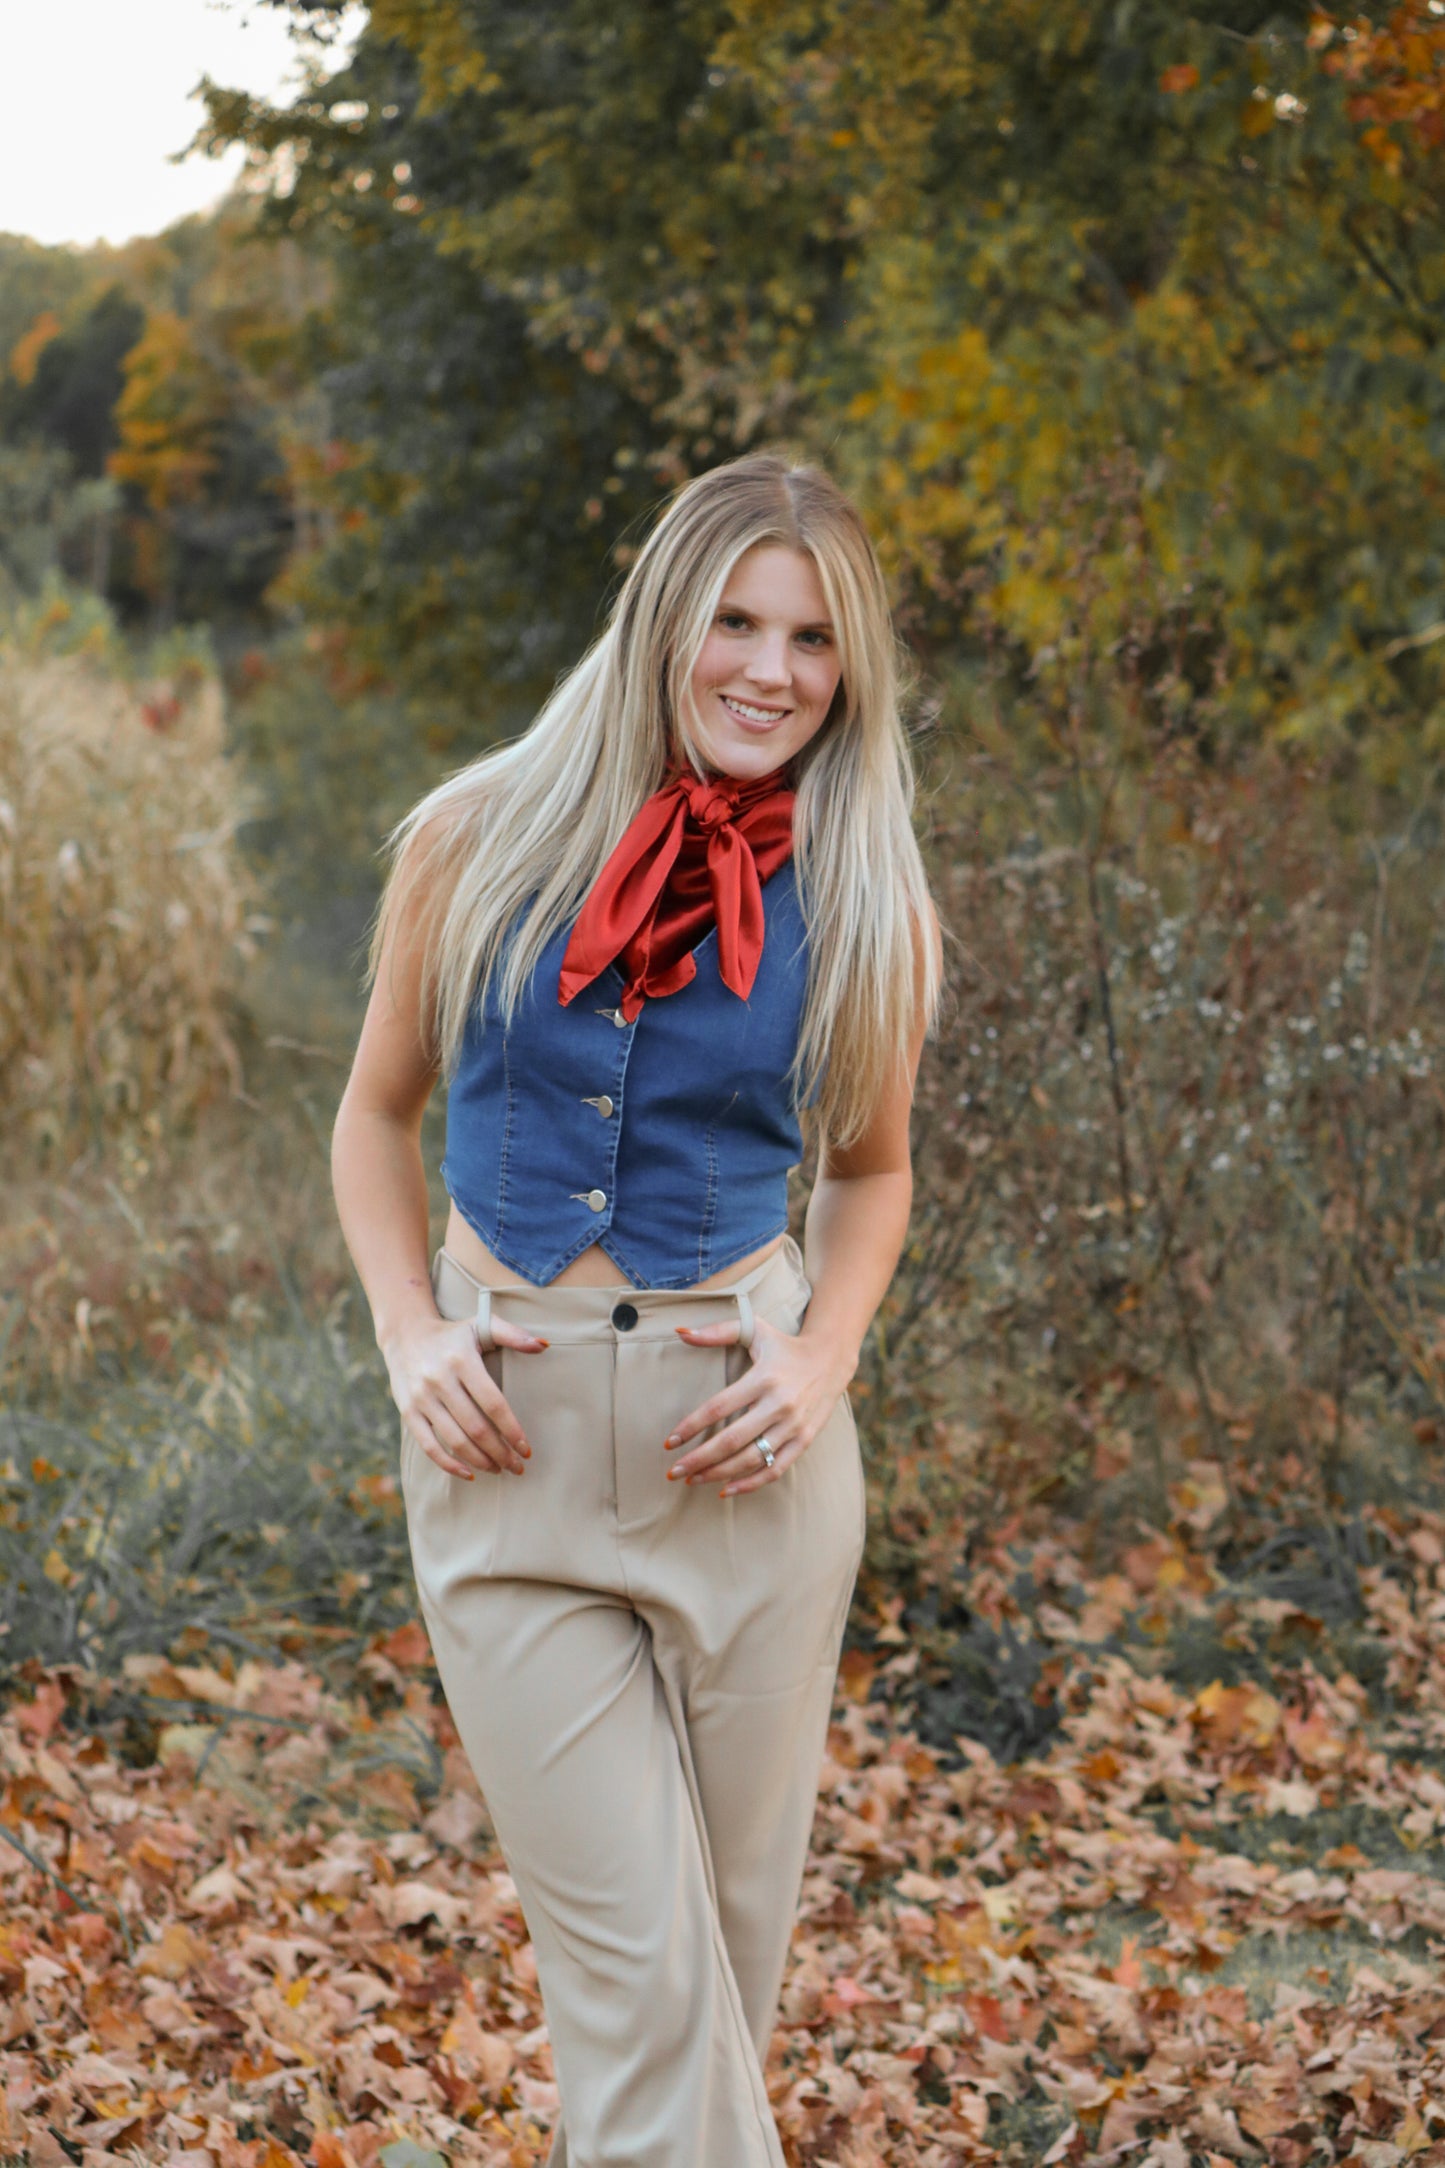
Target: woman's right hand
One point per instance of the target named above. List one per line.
(448, 1399)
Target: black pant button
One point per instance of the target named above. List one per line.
(624, 1317)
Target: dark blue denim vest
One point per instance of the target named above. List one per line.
(667, 1140)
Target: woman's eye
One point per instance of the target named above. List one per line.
(730, 618)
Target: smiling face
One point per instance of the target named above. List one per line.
(765, 678)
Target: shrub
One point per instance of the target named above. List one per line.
(1179, 1145)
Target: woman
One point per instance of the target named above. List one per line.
(637, 942)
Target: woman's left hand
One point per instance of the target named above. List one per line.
(792, 1387)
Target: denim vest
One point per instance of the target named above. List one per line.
(667, 1140)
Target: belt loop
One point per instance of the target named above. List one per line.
(484, 1319)
(745, 1321)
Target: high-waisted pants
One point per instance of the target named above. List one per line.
(641, 1673)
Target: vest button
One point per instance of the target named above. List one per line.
(596, 1200)
(619, 1019)
(603, 1105)
(624, 1317)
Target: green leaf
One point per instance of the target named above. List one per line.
(406, 2153)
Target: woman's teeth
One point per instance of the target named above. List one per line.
(749, 714)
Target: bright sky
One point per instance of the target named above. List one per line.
(94, 95)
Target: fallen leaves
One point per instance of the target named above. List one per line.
(1105, 1952)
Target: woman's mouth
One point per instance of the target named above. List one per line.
(752, 716)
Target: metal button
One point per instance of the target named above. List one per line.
(597, 1200)
(603, 1105)
(619, 1019)
(624, 1317)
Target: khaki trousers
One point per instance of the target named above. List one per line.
(641, 1673)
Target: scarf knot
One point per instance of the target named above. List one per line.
(694, 856)
(710, 804)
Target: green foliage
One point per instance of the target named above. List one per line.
(66, 393)
(509, 205)
(962, 251)
(332, 765)
(35, 281)
(136, 438)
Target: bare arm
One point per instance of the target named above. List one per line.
(447, 1399)
(856, 1223)
(376, 1164)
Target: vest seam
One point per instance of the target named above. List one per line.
(709, 1203)
(504, 1158)
(709, 1208)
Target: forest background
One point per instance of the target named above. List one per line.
(1123, 325)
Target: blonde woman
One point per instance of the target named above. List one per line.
(638, 942)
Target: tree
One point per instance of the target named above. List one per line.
(64, 384)
(972, 253)
(555, 283)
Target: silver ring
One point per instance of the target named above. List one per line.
(769, 1456)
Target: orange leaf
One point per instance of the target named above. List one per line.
(1183, 76)
(40, 1716)
(178, 1949)
(1101, 1768)
(408, 1645)
(844, 1995)
(987, 2014)
(855, 1673)
(1237, 1715)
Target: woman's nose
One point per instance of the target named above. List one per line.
(768, 665)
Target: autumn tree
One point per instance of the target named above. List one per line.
(970, 254)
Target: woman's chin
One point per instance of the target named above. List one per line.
(743, 759)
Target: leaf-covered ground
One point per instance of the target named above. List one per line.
(251, 1911)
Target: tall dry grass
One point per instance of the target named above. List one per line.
(126, 908)
(164, 1100)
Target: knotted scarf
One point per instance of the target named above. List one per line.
(694, 855)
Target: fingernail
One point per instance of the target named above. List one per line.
(538, 1341)
(684, 1329)
(674, 1473)
(673, 1440)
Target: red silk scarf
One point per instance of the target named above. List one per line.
(694, 855)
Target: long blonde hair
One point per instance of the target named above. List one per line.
(539, 815)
